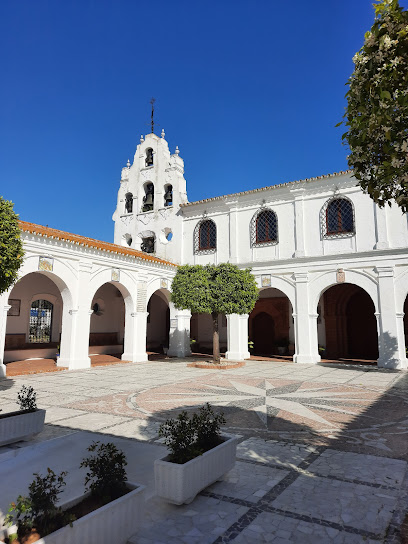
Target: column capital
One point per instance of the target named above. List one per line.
(301, 277)
(384, 271)
(84, 266)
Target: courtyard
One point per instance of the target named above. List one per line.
(322, 454)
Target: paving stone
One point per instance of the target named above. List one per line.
(273, 452)
(311, 496)
(248, 482)
(364, 468)
(295, 531)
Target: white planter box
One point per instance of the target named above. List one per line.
(113, 523)
(20, 426)
(179, 484)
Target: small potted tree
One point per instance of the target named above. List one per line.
(24, 423)
(199, 455)
(109, 512)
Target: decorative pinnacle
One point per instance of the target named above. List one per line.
(141, 139)
(163, 134)
(177, 150)
(128, 163)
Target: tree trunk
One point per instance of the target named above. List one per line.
(216, 338)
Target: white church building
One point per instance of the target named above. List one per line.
(331, 267)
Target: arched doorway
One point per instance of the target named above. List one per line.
(271, 324)
(107, 326)
(34, 321)
(347, 327)
(158, 322)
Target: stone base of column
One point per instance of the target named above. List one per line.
(73, 364)
(307, 359)
(135, 357)
(237, 355)
(2, 371)
(396, 364)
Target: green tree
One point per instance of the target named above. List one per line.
(377, 108)
(210, 289)
(11, 254)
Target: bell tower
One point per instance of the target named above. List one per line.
(147, 215)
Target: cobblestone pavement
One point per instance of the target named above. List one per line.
(322, 458)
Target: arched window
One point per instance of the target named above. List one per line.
(128, 203)
(264, 228)
(149, 157)
(40, 322)
(168, 195)
(148, 199)
(337, 218)
(205, 237)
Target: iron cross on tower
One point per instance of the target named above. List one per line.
(152, 101)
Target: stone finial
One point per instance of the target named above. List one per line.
(141, 139)
(128, 163)
(163, 134)
(177, 150)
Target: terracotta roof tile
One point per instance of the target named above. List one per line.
(279, 185)
(89, 242)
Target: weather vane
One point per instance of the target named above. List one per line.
(152, 101)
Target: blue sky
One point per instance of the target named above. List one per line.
(250, 91)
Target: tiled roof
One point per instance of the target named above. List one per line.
(89, 242)
(278, 186)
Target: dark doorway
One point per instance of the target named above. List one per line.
(263, 334)
(350, 323)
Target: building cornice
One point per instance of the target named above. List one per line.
(289, 184)
(75, 240)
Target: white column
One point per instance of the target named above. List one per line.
(179, 340)
(299, 222)
(74, 349)
(237, 337)
(76, 322)
(391, 342)
(4, 308)
(381, 228)
(306, 346)
(135, 337)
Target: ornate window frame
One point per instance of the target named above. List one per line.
(254, 229)
(325, 234)
(197, 249)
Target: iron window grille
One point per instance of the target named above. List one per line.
(264, 228)
(337, 218)
(205, 237)
(40, 322)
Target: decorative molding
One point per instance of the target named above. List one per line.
(340, 276)
(46, 264)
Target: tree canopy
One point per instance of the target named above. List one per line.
(377, 108)
(220, 288)
(11, 254)
(214, 289)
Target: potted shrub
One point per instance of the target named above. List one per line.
(24, 423)
(199, 455)
(109, 511)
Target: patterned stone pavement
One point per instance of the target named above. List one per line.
(322, 458)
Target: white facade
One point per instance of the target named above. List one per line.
(312, 277)
(302, 262)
